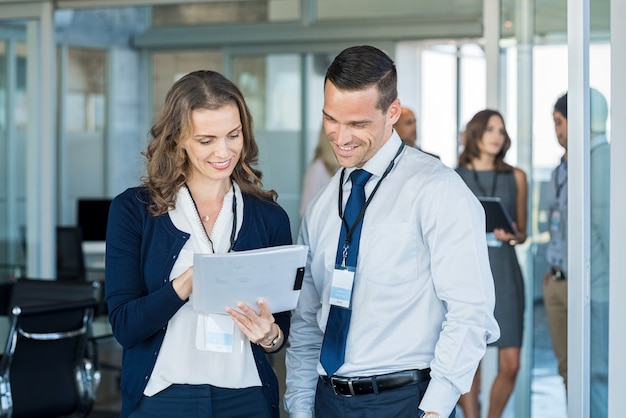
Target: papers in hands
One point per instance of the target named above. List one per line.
(273, 274)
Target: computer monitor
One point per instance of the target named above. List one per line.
(93, 215)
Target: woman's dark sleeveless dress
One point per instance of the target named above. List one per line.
(507, 275)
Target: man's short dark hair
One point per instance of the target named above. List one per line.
(360, 67)
(561, 105)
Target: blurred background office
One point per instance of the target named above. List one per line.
(80, 81)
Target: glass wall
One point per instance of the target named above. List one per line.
(81, 139)
(13, 124)
(444, 85)
(599, 213)
(169, 66)
(272, 85)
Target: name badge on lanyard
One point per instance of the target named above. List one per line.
(215, 333)
(492, 241)
(343, 275)
(555, 221)
(341, 287)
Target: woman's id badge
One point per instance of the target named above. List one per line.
(341, 288)
(492, 241)
(215, 333)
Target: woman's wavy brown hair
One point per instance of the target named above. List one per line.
(472, 135)
(167, 163)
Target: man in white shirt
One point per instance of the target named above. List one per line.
(419, 296)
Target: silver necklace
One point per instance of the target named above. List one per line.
(199, 219)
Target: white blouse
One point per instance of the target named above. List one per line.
(179, 361)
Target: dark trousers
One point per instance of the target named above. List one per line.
(191, 401)
(397, 403)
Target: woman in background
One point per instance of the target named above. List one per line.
(201, 194)
(482, 166)
(322, 167)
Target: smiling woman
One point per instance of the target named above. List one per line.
(482, 166)
(201, 194)
(213, 151)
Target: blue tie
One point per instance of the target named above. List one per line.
(334, 345)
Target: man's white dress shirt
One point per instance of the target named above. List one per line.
(423, 292)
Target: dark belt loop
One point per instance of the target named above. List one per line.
(375, 385)
(351, 387)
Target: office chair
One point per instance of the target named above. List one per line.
(70, 255)
(45, 370)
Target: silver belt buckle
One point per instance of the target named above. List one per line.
(333, 382)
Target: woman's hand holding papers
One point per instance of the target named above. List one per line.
(260, 328)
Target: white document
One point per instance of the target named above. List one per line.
(274, 274)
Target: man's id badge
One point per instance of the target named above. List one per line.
(555, 221)
(341, 288)
(215, 333)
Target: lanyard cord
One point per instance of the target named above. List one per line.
(558, 186)
(350, 230)
(233, 230)
(480, 186)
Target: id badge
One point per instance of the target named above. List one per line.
(555, 221)
(215, 333)
(341, 288)
(492, 241)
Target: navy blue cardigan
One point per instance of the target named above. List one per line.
(140, 253)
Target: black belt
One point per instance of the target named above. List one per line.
(557, 274)
(354, 386)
